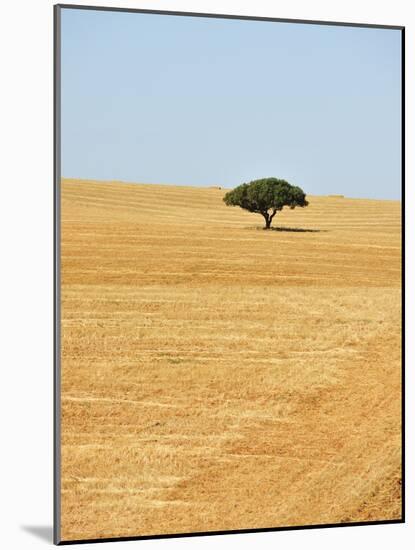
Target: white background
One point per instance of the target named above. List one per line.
(26, 306)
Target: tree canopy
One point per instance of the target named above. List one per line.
(266, 197)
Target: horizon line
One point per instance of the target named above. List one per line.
(128, 182)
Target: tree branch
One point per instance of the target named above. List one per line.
(273, 214)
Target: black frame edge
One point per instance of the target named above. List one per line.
(56, 274)
(403, 280)
(228, 16)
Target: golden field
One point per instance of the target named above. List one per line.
(216, 376)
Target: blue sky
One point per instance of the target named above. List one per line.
(202, 101)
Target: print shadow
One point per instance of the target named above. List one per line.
(43, 532)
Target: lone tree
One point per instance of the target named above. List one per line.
(266, 197)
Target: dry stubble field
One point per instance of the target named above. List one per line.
(216, 376)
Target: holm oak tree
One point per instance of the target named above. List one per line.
(266, 197)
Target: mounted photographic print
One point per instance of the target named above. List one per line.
(228, 274)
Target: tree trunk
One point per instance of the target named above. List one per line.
(267, 220)
(270, 218)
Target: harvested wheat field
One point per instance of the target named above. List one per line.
(216, 376)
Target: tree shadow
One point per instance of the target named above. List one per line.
(294, 229)
(297, 229)
(43, 532)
